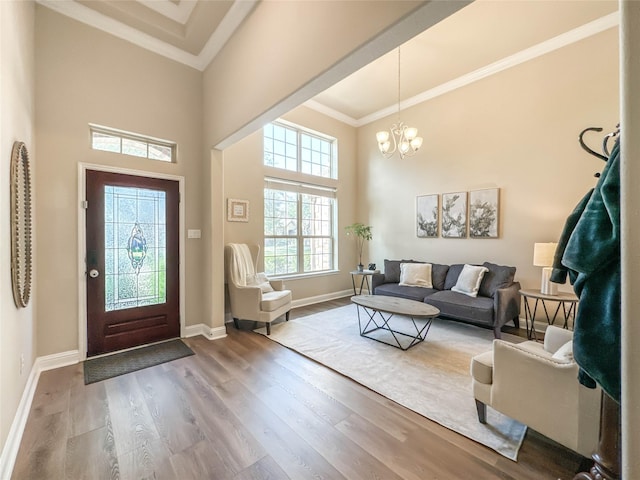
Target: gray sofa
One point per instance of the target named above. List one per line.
(497, 303)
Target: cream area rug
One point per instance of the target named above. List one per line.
(431, 378)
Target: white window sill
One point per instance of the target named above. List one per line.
(300, 276)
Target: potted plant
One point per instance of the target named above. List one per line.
(362, 232)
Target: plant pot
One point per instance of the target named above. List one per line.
(360, 267)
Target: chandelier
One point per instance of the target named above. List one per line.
(399, 138)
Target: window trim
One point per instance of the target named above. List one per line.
(302, 188)
(136, 137)
(333, 168)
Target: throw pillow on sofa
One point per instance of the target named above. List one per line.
(392, 270)
(469, 280)
(452, 275)
(415, 275)
(498, 276)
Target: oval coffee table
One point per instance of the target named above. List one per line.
(376, 306)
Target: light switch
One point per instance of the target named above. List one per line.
(193, 233)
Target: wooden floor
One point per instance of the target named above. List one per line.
(245, 407)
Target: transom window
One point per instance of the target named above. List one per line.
(117, 141)
(299, 228)
(299, 150)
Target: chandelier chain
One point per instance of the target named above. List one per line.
(400, 137)
(398, 82)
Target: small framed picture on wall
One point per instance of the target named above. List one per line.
(454, 215)
(484, 213)
(427, 210)
(237, 210)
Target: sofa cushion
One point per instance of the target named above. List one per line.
(461, 306)
(452, 275)
(412, 293)
(497, 276)
(415, 275)
(438, 275)
(469, 280)
(392, 271)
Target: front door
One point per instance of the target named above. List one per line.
(132, 261)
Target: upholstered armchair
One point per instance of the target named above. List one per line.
(537, 384)
(252, 295)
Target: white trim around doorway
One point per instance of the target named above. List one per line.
(82, 245)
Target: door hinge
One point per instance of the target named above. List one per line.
(84, 204)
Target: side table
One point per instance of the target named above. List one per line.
(567, 301)
(364, 274)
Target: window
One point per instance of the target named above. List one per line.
(117, 141)
(299, 228)
(299, 217)
(298, 150)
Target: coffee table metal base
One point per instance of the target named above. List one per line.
(369, 326)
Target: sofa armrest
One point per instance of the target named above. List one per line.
(376, 280)
(277, 285)
(506, 304)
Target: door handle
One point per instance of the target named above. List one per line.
(93, 273)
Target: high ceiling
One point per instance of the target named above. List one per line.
(480, 39)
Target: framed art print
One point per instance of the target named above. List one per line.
(454, 215)
(427, 216)
(484, 213)
(237, 210)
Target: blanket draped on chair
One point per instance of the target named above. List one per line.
(243, 267)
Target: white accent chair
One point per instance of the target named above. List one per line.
(252, 295)
(537, 385)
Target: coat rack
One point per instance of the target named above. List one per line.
(607, 457)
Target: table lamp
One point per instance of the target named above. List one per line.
(543, 254)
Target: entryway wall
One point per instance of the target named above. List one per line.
(84, 76)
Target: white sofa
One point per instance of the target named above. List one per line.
(537, 384)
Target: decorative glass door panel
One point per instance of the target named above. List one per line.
(135, 247)
(132, 261)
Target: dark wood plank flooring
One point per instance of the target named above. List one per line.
(246, 408)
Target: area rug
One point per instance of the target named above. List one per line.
(432, 378)
(98, 369)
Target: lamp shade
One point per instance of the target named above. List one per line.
(543, 254)
(382, 136)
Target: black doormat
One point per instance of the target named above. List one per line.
(98, 369)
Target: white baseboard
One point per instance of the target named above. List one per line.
(303, 302)
(211, 333)
(57, 360)
(12, 444)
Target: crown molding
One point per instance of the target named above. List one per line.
(572, 36)
(330, 112)
(231, 21)
(97, 20)
(177, 12)
(229, 24)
